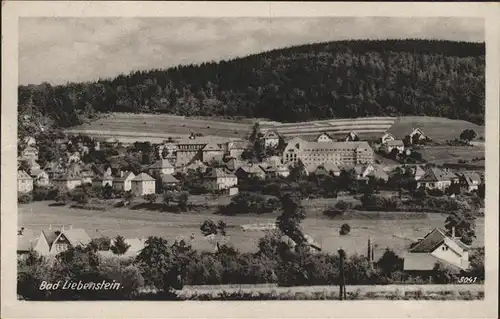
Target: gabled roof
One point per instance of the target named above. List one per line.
(160, 164)
(433, 174)
(105, 177)
(36, 171)
(125, 176)
(323, 134)
(50, 235)
(143, 177)
(77, 236)
(252, 169)
(429, 242)
(471, 178)
(271, 134)
(215, 173)
(211, 147)
(169, 179)
(418, 171)
(22, 175)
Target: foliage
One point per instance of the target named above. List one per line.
(345, 229)
(468, 135)
(182, 201)
(358, 77)
(464, 224)
(389, 263)
(292, 215)
(101, 243)
(251, 203)
(150, 198)
(119, 246)
(62, 198)
(24, 198)
(159, 265)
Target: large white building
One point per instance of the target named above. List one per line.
(143, 184)
(317, 153)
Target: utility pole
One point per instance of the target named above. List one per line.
(342, 292)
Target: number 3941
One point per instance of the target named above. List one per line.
(467, 280)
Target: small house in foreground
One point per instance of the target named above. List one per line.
(436, 247)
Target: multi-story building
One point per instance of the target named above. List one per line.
(338, 153)
(162, 167)
(212, 152)
(190, 150)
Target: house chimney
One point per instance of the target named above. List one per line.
(70, 226)
(50, 227)
(453, 232)
(121, 173)
(62, 228)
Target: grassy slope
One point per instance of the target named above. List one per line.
(143, 223)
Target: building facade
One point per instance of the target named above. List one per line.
(124, 181)
(24, 182)
(143, 184)
(220, 179)
(317, 153)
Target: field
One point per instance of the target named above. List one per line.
(396, 234)
(158, 127)
(437, 128)
(128, 127)
(451, 154)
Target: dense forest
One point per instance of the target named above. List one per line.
(342, 79)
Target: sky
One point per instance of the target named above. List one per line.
(62, 50)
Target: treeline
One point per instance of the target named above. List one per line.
(163, 268)
(341, 79)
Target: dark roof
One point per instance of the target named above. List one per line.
(169, 179)
(429, 242)
(218, 173)
(124, 177)
(433, 174)
(77, 236)
(163, 163)
(143, 177)
(50, 235)
(211, 147)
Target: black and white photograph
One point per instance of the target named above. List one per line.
(266, 158)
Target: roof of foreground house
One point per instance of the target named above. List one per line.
(433, 174)
(143, 177)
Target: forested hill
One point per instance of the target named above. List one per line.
(316, 81)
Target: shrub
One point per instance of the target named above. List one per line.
(150, 198)
(345, 229)
(24, 198)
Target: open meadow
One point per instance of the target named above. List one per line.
(439, 129)
(393, 233)
(451, 154)
(160, 127)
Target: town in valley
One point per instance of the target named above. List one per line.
(359, 168)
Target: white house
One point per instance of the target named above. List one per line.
(437, 178)
(219, 179)
(470, 181)
(417, 133)
(387, 137)
(124, 181)
(389, 145)
(436, 247)
(324, 137)
(143, 184)
(351, 137)
(162, 166)
(24, 182)
(271, 139)
(50, 241)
